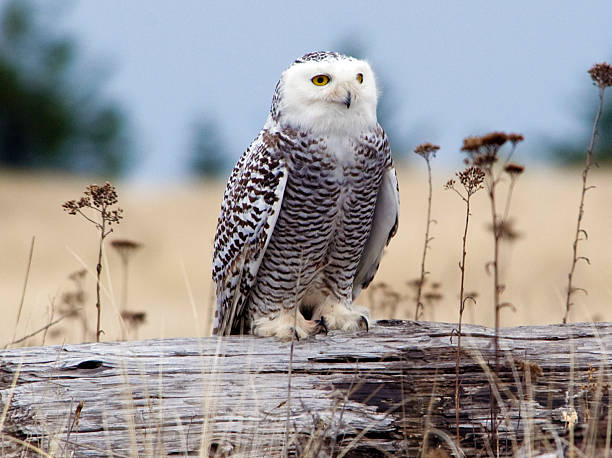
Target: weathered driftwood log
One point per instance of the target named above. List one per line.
(389, 391)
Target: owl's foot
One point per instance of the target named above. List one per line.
(287, 326)
(343, 317)
(321, 325)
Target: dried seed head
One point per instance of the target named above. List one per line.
(472, 176)
(125, 248)
(514, 169)
(471, 144)
(485, 160)
(426, 149)
(506, 231)
(125, 245)
(450, 184)
(78, 275)
(471, 179)
(515, 138)
(134, 319)
(495, 139)
(71, 207)
(415, 283)
(72, 302)
(99, 198)
(432, 297)
(601, 74)
(104, 195)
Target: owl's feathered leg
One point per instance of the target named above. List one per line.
(288, 324)
(343, 317)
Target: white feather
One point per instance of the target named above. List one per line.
(322, 109)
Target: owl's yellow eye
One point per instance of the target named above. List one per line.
(320, 80)
(360, 78)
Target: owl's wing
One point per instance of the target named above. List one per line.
(384, 226)
(249, 211)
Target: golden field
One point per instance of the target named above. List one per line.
(169, 277)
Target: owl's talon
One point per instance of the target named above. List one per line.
(363, 323)
(295, 334)
(321, 327)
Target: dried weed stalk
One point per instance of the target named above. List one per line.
(125, 248)
(38, 331)
(471, 180)
(96, 207)
(383, 296)
(427, 151)
(133, 320)
(601, 74)
(73, 301)
(484, 153)
(25, 286)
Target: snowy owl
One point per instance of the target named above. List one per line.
(308, 208)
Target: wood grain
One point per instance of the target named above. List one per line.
(386, 392)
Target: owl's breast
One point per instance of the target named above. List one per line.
(324, 220)
(332, 186)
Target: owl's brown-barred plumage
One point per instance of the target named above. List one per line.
(304, 221)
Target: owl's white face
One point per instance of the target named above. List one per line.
(329, 96)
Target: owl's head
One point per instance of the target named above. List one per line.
(324, 92)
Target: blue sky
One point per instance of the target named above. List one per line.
(450, 69)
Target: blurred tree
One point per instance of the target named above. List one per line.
(49, 116)
(572, 151)
(208, 156)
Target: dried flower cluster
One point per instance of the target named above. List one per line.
(134, 319)
(426, 150)
(98, 198)
(125, 245)
(385, 297)
(97, 201)
(491, 141)
(506, 230)
(514, 169)
(601, 74)
(125, 248)
(470, 178)
(514, 138)
(483, 151)
(73, 301)
(428, 291)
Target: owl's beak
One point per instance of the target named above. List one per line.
(347, 99)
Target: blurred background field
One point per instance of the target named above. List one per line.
(169, 277)
(162, 98)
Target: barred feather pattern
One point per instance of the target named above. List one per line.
(250, 206)
(294, 223)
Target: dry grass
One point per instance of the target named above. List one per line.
(176, 227)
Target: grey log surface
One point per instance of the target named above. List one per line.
(385, 392)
